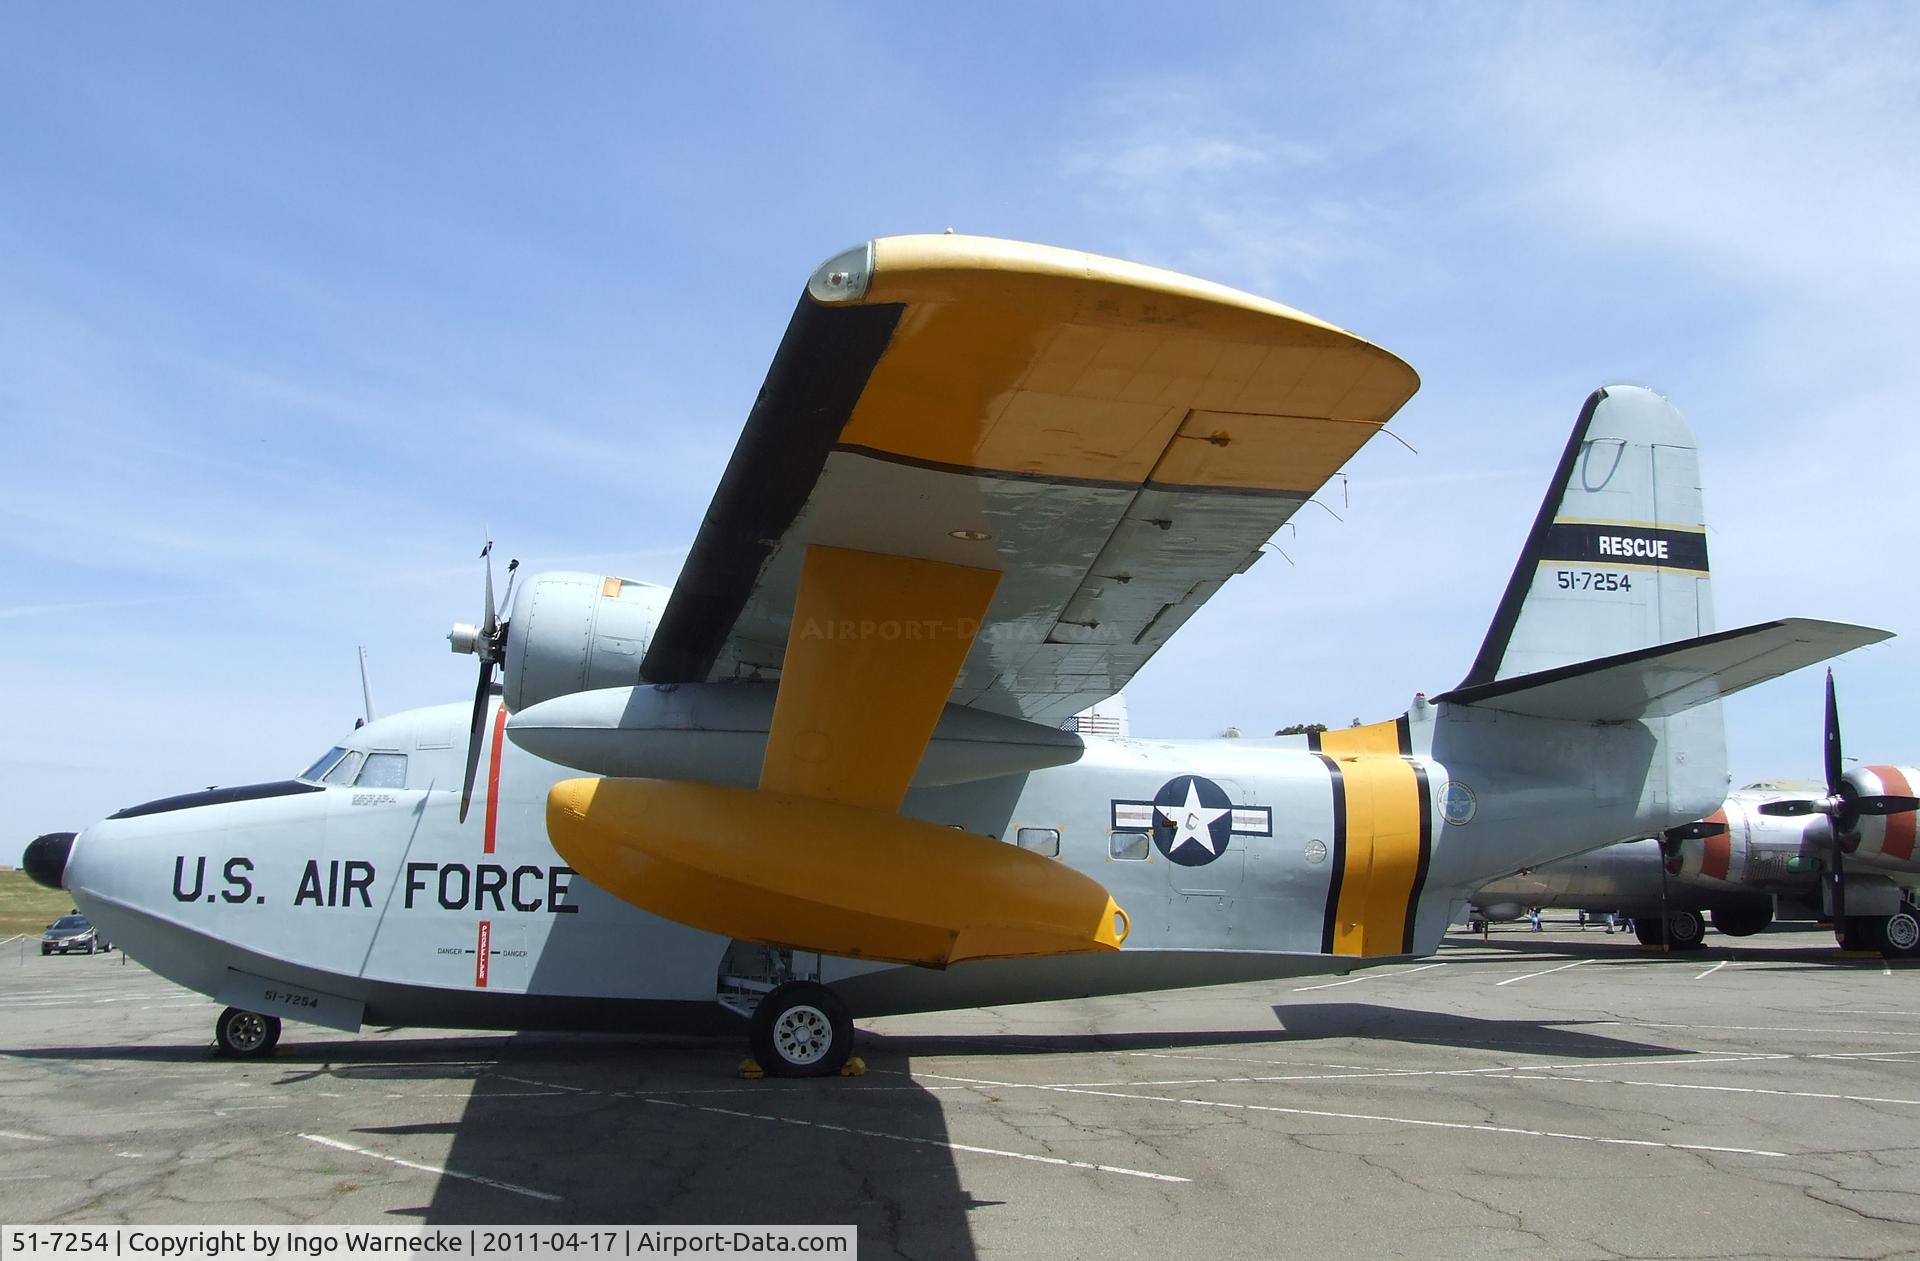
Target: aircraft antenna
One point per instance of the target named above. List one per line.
(366, 686)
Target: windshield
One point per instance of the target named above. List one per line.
(323, 765)
(71, 921)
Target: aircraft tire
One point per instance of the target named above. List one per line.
(1686, 930)
(801, 1029)
(1744, 922)
(1899, 935)
(1649, 930)
(246, 1035)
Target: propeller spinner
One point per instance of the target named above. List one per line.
(1844, 806)
(487, 641)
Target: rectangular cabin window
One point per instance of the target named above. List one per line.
(1042, 841)
(383, 770)
(1130, 847)
(345, 769)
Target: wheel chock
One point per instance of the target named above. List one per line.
(854, 1067)
(750, 1070)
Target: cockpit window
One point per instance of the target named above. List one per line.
(345, 769)
(325, 764)
(383, 770)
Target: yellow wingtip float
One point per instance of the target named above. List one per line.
(782, 869)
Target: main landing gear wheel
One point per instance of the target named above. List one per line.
(1897, 936)
(801, 1029)
(1902, 933)
(1677, 930)
(246, 1035)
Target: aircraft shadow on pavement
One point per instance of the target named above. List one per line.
(1367, 1022)
(628, 1132)
(1017, 1044)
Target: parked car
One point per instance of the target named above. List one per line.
(70, 933)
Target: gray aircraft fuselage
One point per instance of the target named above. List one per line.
(379, 896)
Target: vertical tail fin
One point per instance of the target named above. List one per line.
(1617, 560)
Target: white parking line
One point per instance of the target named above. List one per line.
(1375, 1074)
(1369, 1116)
(1733, 1090)
(1868, 1011)
(1512, 980)
(918, 1142)
(1710, 971)
(24, 1138)
(1669, 1024)
(1879, 1057)
(442, 1170)
(1371, 976)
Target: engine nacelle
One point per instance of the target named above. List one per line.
(1714, 861)
(571, 632)
(1886, 841)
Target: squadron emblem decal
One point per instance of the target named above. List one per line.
(1192, 820)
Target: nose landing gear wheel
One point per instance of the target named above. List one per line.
(801, 1029)
(246, 1035)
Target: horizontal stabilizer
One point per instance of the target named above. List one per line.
(1669, 679)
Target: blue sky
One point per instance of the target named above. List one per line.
(296, 303)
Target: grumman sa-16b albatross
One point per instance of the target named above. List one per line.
(824, 776)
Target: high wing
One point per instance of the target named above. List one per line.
(1113, 441)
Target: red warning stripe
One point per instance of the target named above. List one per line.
(1718, 859)
(480, 959)
(493, 777)
(1900, 827)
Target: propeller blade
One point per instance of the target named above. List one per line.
(506, 601)
(490, 620)
(1840, 933)
(1699, 831)
(1836, 772)
(1884, 804)
(1787, 809)
(474, 733)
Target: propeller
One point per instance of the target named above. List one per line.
(1844, 806)
(1673, 862)
(487, 641)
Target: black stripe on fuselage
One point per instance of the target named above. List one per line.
(1426, 850)
(1338, 856)
(218, 797)
(817, 376)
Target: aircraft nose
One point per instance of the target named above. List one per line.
(45, 861)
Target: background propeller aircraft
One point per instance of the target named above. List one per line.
(824, 775)
(1847, 856)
